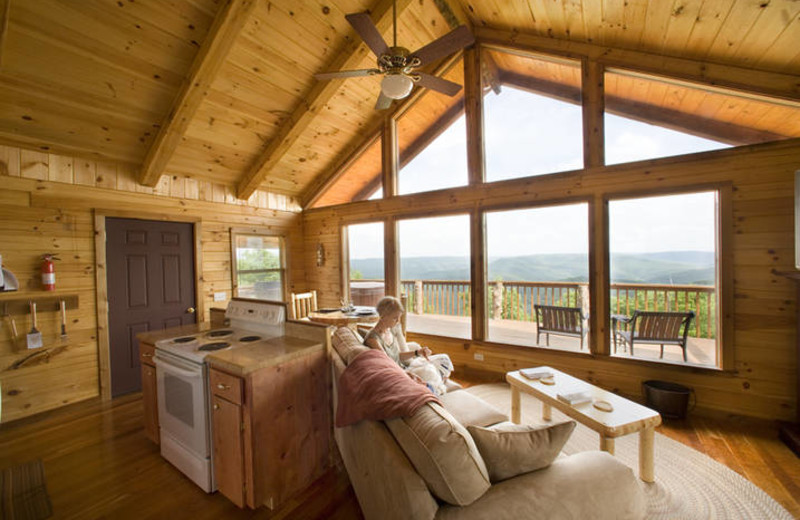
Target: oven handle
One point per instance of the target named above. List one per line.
(171, 367)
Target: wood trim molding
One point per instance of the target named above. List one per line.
(473, 107)
(103, 342)
(321, 93)
(391, 259)
(228, 23)
(389, 164)
(593, 107)
(5, 14)
(763, 82)
(478, 275)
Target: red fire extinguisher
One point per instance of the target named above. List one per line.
(48, 272)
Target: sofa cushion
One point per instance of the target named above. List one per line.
(347, 344)
(443, 453)
(512, 449)
(470, 410)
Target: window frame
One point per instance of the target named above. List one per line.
(283, 270)
(723, 277)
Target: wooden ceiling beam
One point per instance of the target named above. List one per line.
(728, 133)
(768, 83)
(230, 20)
(321, 93)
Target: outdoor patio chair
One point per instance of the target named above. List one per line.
(562, 321)
(654, 328)
(303, 304)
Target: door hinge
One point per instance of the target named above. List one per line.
(242, 427)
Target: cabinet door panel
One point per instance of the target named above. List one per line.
(228, 454)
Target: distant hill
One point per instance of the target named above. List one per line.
(674, 267)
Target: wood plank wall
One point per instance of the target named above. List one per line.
(46, 205)
(762, 383)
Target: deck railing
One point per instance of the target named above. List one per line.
(515, 300)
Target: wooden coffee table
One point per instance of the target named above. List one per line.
(625, 418)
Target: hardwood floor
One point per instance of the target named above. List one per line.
(98, 464)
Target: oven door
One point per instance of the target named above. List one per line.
(183, 402)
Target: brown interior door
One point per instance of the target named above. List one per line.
(151, 286)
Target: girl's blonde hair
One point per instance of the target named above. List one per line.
(389, 304)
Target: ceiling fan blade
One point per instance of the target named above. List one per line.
(383, 102)
(456, 39)
(438, 84)
(347, 74)
(363, 25)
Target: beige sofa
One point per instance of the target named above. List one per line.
(456, 485)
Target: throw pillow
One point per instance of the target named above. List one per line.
(443, 453)
(512, 449)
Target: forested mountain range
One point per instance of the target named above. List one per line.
(674, 267)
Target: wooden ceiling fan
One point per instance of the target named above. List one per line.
(398, 65)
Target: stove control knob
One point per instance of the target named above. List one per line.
(190, 310)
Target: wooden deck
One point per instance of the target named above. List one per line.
(700, 351)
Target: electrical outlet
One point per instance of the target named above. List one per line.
(478, 356)
(220, 296)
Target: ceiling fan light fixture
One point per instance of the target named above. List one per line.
(396, 86)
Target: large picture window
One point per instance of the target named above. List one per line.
(259, 262)
(538, 271)
(365, 265)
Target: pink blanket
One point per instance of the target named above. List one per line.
(375, 387)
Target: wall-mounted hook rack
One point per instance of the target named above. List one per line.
(45, 303)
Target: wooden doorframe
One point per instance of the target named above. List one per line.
(103, 344)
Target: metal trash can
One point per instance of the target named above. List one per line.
(671, 400)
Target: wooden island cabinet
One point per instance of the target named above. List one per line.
(149, 390)
(271, 417)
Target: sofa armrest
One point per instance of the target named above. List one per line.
(591, 484)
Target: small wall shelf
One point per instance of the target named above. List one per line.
(17, 305)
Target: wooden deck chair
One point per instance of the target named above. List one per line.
(656, 328)
(303, 304)
(562, 321)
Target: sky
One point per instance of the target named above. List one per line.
(522, 140)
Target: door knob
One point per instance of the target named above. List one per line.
(190, 310)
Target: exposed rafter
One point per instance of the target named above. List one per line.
(321, 93)
(228, 23)
(763, 82)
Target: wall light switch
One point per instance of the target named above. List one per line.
(478, 356)
(220, 296)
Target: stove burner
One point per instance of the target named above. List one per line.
(214, 346)
(248, 339)
(185, 339)
(219, 333)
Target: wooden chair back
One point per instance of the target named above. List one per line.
(661, 326)
(303, 304)
(559, 319)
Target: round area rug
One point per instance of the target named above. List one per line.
(689, 485)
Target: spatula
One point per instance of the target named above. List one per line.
(34, 336)
(63, 306)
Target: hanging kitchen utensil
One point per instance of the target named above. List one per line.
(34, 336)
(12, 324)
(63, 306)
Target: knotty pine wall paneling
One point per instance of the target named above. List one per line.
(47, 204)
(761, 382)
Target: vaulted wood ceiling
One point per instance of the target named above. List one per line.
(223, 90)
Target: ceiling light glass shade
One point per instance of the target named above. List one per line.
(396, 86)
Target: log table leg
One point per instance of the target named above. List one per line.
(547, 411)
(607, 444)
(515, 411)
(646, 454)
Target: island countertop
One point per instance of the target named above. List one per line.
(243, 359)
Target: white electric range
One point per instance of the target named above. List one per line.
(183, 391)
